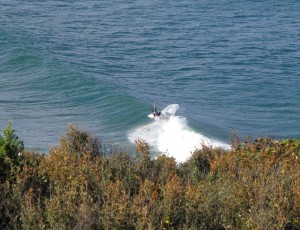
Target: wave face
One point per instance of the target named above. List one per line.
(171, 135)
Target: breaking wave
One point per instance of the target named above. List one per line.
(171, 134)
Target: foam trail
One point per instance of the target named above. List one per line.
(171, 134)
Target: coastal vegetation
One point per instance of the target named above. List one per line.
(84, 183)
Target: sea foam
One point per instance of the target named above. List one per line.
(171, 134)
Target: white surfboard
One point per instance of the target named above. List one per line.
(151, 115)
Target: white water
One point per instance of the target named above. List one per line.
(171, 134)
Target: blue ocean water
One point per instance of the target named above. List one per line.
(101, 64)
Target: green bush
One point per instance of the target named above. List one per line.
(10, 151)
(85, 184)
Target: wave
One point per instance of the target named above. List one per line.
(171, 134)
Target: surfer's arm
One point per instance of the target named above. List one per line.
(153, 108)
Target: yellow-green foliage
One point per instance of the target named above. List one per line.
(86, 184)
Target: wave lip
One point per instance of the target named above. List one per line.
(171, 135)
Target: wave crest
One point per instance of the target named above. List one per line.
(172, 135)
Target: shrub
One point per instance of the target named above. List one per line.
(82, 184)
(10, 151)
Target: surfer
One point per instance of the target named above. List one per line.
(155, 112)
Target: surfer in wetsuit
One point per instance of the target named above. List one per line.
(154, 111)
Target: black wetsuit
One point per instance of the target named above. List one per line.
(154, 111)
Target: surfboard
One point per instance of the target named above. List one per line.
(152, 116)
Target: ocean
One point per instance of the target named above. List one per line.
(222, 67)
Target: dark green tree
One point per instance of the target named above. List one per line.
(11, 148)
